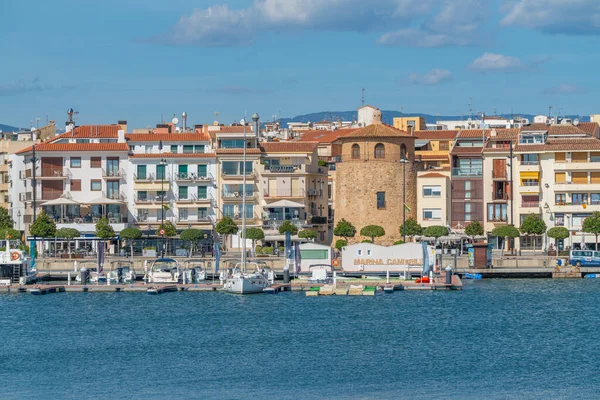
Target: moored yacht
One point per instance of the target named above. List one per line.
(165, 270)
(242, 282)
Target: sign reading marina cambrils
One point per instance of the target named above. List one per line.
(367, 257)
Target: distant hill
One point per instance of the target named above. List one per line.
(388, 117)
(8, 128)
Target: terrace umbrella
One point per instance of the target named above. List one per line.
(62, 202)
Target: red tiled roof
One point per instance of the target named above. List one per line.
(562, 144)
(436, 135)
(565, 130)
(89, 131)
(234, 129)
(505, 134)
(432, 157)
(289, 147)
(474, 133)
(378, 131)
(535, 127)
(167, 137)
(173, 155)
(591, 128)
(433, 175)
(98, 147)
(324, 136)
(238, 151)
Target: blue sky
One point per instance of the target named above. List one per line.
(138, 59)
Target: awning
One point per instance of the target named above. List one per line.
(61, 201)
(104, 200)
(281, 238)
(421, 142)
(530, 175)
(151, 186)
(285, 204)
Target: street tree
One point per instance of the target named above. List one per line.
(131, 234)
(533, 225)
(505, 231)
(592, 225)
(308, 234)
(254, 234)
(344, 229)
(412, 228)
(169, 230)
(435, 231)
(5, 219)
(43, 227)
(474, 229)
(226, 227)
(191, 235)
(372, 231)
(288, 226)
(340, 244)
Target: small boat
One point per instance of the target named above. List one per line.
(473, 276)
(121, 272)
(241, 282)
(92, 273)
(165, 270)
(319, 273)
(194, 271)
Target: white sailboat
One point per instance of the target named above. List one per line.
(242, 282)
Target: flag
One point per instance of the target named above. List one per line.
(160, 145)
(298, 257)
(32, 253)
(100, 257)
(217, 256)
(426, 266)
(288, 245)
(406, 207)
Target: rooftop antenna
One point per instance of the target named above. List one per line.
(470, 108)
(216, 113)
(362, 98)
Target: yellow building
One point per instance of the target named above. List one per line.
(433, 148)
(408, 124)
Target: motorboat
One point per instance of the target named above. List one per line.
(92, 273)
(165, 270)
(194, 271)
(242, 282)
(121, 272)
(319, 273)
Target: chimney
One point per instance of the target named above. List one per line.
(377, 117)
(122, 125)
(411, 130)
(184, 120)
(256, 125)
(120, 136)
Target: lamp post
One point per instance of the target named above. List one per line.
(163, 163)
(404, 161)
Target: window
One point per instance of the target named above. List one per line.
(161, 195)
(444, 145)
(112, 166)
(529, 159)
(183, 171)
(559, 219)
(202, 171)
(249, 211)
(112, 190)
(578, 219)
(228, 210)
(96, 162)
(183, 214)
(497, 212)
(236, 167)
(188, 148)
(537, 138)
(579, 177)
(174, 148)
(432, 191)
(432, 214)
(379, 150)
(141, 171)
(579, 198)
(161, 171)
(183, 192)
(559, 157)
(579, 157)
(595, 157)
(142, 195)
(95, 185)
(232, 144)
(467, 211)
(403, 152)
(595, 198)
(142, 214)
(380, 200)
(199, 149)
(202, 213)
(560, 177)
(202, 193)
(75, 185)
(355, 151)
(368, 252)
(560, 199)
(531, 242)
(467, 189)
(75, 162)
(360, 252)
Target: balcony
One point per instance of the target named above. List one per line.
(144, 178)
(84, 224)
(467, 172)
(283, 169)
(287, 193)
(529, 187)
(51, 174)
(576, 187)
(113, 173)
(192, 177)
(239, 176)
(530, 204)
(500, 196)
(529, 166)
(570, 207)
(577, 166)
(193, 199)
(499, 220)
(499, 175)
(194, 221)
(237, 196)
(274, 224)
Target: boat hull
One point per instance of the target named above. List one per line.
(246, 285)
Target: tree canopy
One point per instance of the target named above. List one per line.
(169, 229)
(558, 233)
(340, 244)
(104, 230)
(43, 227)
(255, 234)
(435, 231)
(412, 228)
(505, 231)
(131, 233)
(372, 231)
(592, 225)
(191, 235)
(309, 234)
(9, 233)
(533, 225)
(67, 233)
(288, 226)
(5, 219)
(474, 229)
(226, 226)
(344, 229)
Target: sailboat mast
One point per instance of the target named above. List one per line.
(244, 204)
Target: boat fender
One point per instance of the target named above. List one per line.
(14, 255)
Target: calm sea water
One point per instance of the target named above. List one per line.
(496, 339)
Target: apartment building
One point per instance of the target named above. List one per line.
(80, 177)
(293, 187)
(432, 148)
(434, 200)
(410, 124)
(174, 179)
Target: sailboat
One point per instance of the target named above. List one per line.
(240, 281)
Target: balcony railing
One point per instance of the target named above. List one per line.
(501, 196)
(237, 195)
(530, 163)
(466, 172)
(113, 219)
(286, 193)
(278, 169)
(144, 177)
(193, 198)
(499, 175)
(55, 173)
(498, 219)
(530, 204)
(113, 173)
(530, 184)
(274, 224)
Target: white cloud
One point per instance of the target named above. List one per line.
(433, 77)
(574, 17)
(563, 89)
(496, 62)
(426, 23)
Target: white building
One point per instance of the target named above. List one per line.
(434, 194)
(366, 115)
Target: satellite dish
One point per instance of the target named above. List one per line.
(576, 121)
(175, 121)
(243, 121)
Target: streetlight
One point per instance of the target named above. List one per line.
(404, 161)
(163, 163)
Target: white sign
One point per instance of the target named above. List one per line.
(5, 282)
(367, 257)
